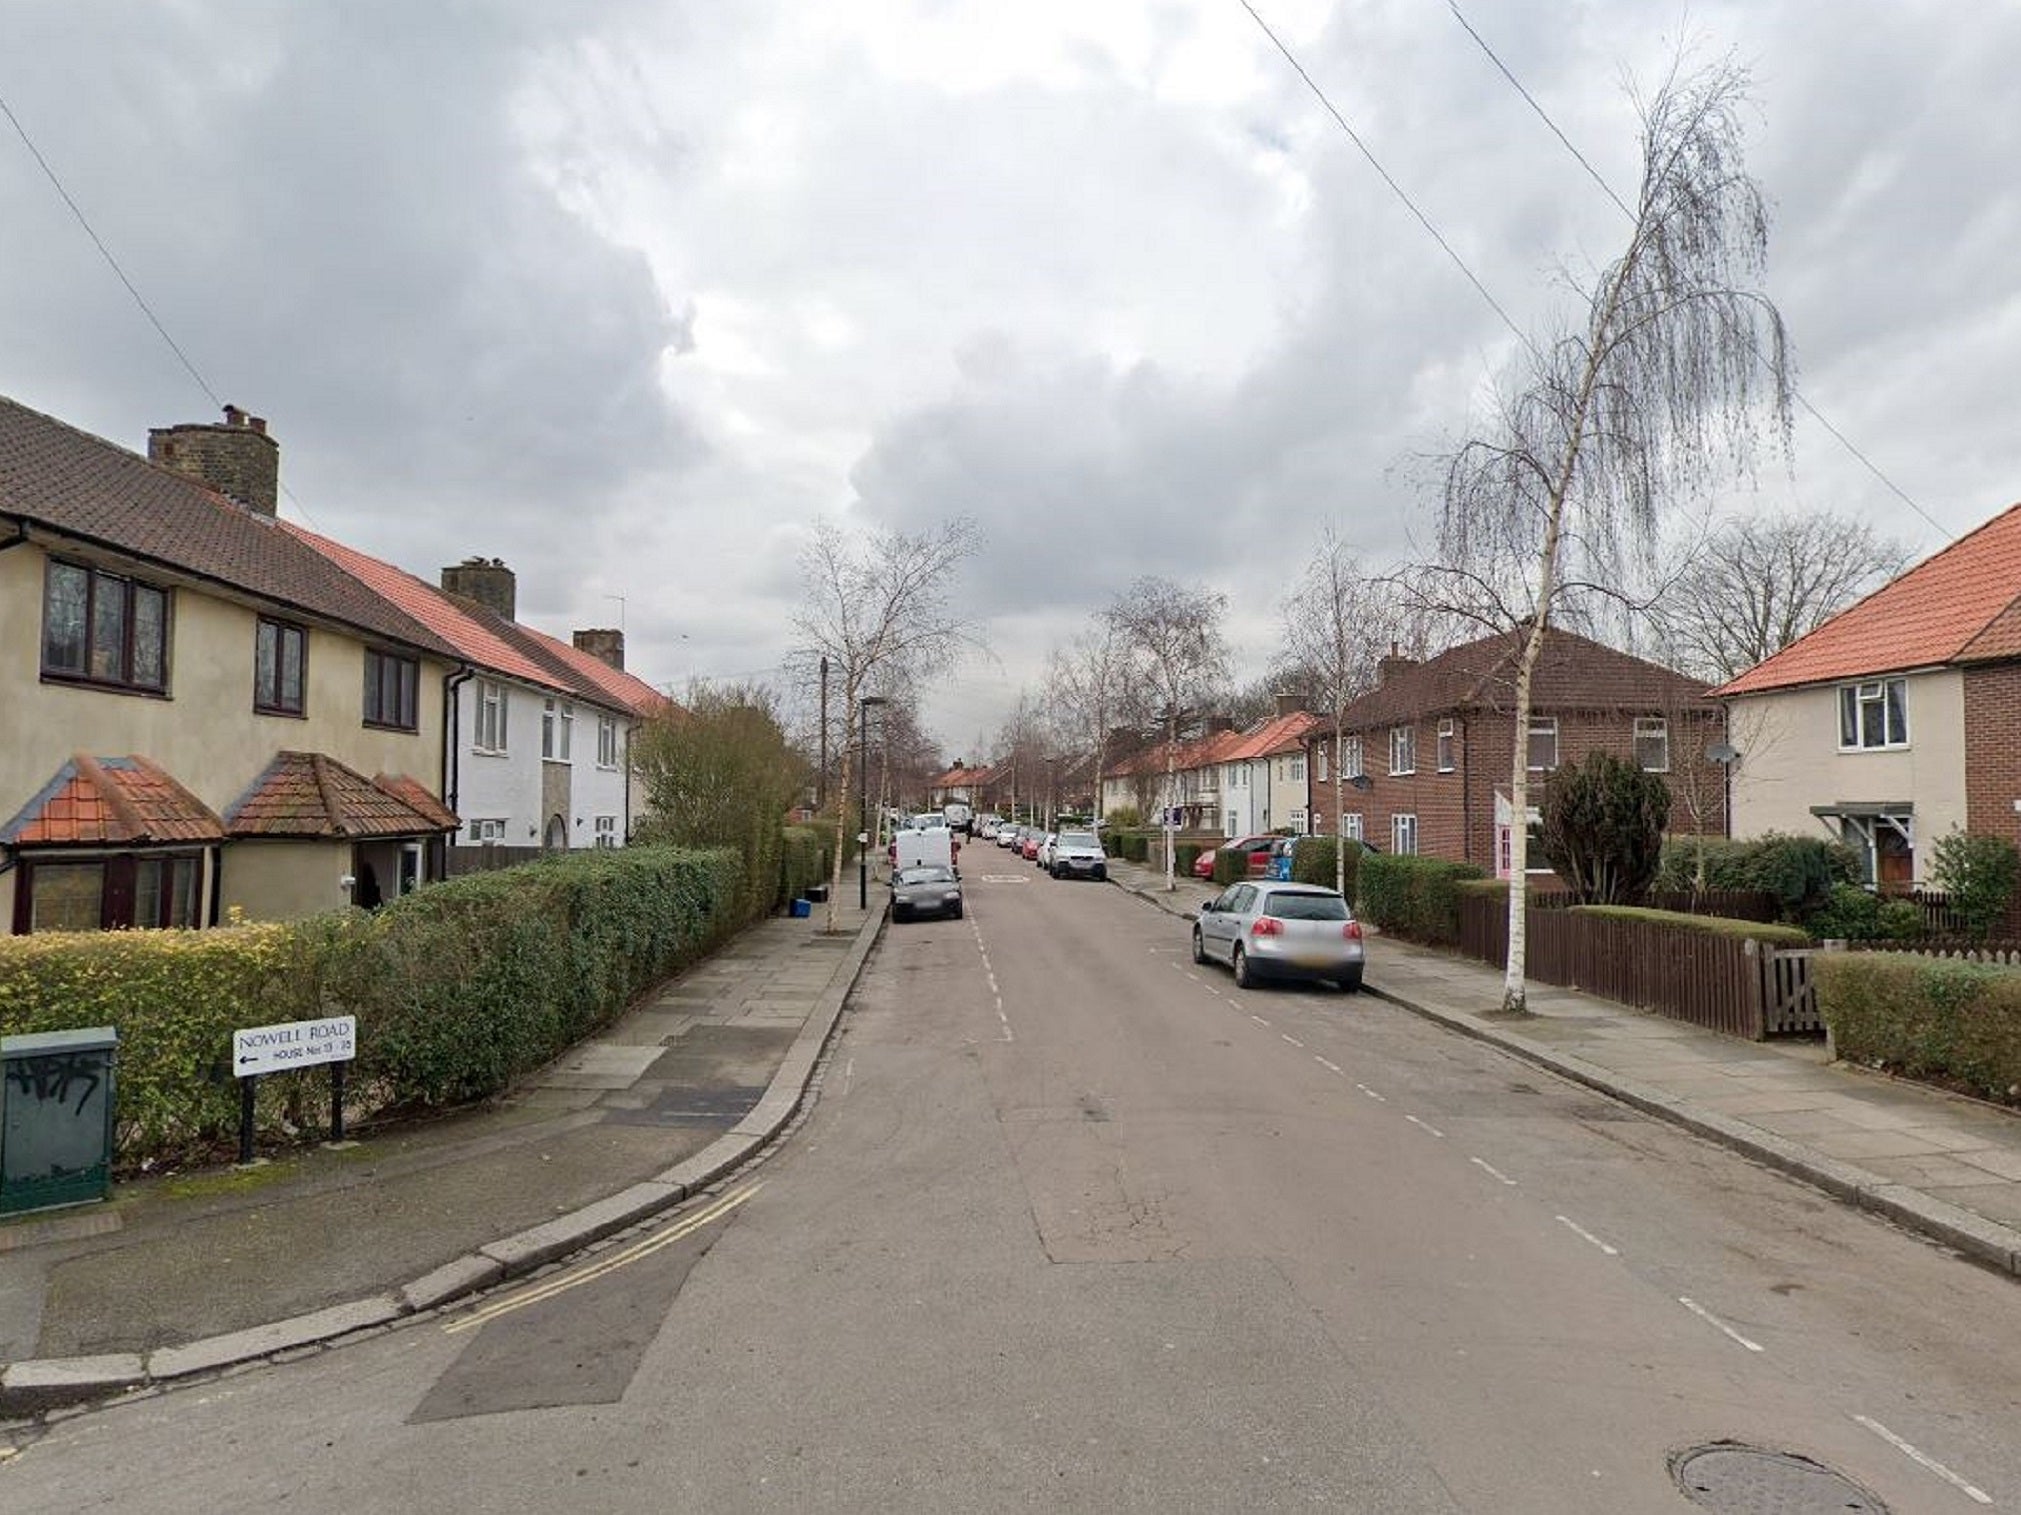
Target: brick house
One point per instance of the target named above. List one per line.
(1428, 751)
(1897, 720)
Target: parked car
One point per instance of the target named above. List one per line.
(1267, 930)
(1258, 848)
(1078, 854)
(988, 827)
(927, 889)
(1010, 835)
(1046, 845)
(1028, 847)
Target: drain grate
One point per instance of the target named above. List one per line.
(1742, 1480)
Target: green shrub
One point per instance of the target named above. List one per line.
(1848, 914)
(1132, 846)
(1979, 872)
(1926, 1017)
(1901, 921)
(1124, 818)
(1185, 854)
(1707, 925)
(1602, 830)
(803, 860)
(1312, 862)
(1413, 897)
(1800, 871)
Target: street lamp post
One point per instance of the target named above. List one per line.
(863, 850)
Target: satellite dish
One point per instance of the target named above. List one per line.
(1722, 753)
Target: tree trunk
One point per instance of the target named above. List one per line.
(1339, 801)
(841, 823)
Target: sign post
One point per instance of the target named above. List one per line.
(260, 1050)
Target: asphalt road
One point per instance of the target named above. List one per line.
(1076, 1225)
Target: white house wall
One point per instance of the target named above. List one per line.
(507, 786)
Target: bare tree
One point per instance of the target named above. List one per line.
(879, 606)
(1605, 426)
(1094, 690)
(1173, 633)
(1755, 586)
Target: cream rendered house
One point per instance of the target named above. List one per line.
(200, 712)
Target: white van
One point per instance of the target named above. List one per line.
(930, 844)
(959, 817)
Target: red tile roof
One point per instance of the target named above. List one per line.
(309, 794)
(86, 488)
(1960, 605)
(1283, 733)
(113, 801)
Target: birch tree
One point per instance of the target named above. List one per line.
(1173, 633)
(1666, 388)
(1094, 690)
(879, 606)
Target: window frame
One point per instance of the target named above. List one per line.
(269, 697)
(1402, 821)
(557, 728)
(1651, 728)
(1447, 733)
(1540, 726)
(1352, 823)
(406, 695)
(606, 831)
(132, 593)
(1403, 743)
(1890, 698)
(178, 905)
(486, 830)
(1319, 768)
(494, 709)
(1352, 764)
(607, 742)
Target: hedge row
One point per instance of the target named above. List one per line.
(1929, 1018)
(1707, 925)
(458, 988)
(803, 859)
(1312, 862)
(1417, 898)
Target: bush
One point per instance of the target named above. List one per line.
(1230, 867)
(1707, 925)
(803, 860)
(1312, 862)
(1930, 1018)
(1901, 921)
(1184, 855)
(1800, 871)
(1413, 897)
(1124, 818)
(1848, 914)
(1131, 846)
(1602, 830)
(1979, 872)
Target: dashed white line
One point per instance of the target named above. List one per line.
(1371, 1093)
(1257, 1018)
(1192, 978)
(1425, 1125)
(1580, 1231)
(1492, 1171)
(1290, 1038)
(1969, 1490)
(1006, 1023)
(1330, 1067)
(1713, 1320)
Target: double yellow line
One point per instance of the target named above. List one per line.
(561, 1283)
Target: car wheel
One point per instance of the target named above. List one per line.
(1350, 983)
(955, 913)
(1199, 947)
(1245, 976)
(1100, 875)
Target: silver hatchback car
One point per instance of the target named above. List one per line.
(1268, 930)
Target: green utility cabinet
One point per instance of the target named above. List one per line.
(56, 1111)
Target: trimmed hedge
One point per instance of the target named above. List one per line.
(458, 988)
(1230, 867)
(1312, 863)
(803, 859)
(1184, 855)
(1800, 871)
(1930, 1018)
(1709, 925)
(1413, 897)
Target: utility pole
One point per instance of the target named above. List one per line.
(821, 773)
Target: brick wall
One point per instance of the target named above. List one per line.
(1992, 751)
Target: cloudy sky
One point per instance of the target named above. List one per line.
(630, 292)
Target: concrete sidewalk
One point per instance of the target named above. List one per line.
(1943, 1165)
(180, 1276)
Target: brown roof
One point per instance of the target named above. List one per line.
(1283, 733)
(125, 801)
(80, 486)
(1961, 605)
(310, 794)
(1572, 673)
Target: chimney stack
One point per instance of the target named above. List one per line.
(1387, 668)
(603, 644)
(237, 458)
(1289, 704)
(487, 581)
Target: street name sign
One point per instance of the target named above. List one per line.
(260, 1050)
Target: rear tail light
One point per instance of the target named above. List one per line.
(1352, 931)
(1267, 926)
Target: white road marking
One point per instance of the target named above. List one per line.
(1290, 1038)
(1191, 977)
(1371, 1093)
(1435, 1131)
(1969, 1490)
(1492, 1171)
(1713, 1320)
(848, 1073)
(1579, 1230)
(1330, 1067)
(1257, 1018)
(1006, 1022)
(992, 983)
(1005, 878)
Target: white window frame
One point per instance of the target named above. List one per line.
(494, 707)
(1403, 750)
(486, 829)
(606, 741)
(1448, 729)
(606, 831)
(1886, 701)
(1351, 825)
(557, 723)
(1652, 729)
(1350, 759)
(1541, 726)
(1319, 763)
(1296, 763)
(1403, 826)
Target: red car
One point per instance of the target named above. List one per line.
(1258, 848)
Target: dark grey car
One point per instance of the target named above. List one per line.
(1264, 929)
(925, 889)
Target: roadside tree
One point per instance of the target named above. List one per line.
(1602, 828)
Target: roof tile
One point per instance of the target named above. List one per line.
(113, 801)
(310, 794)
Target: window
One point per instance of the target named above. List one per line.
(1297, 763)
(1403, 749)
(391, 685)
(102, 628)
(1446, 733)
(557, 720)
(1298, 821)
(1403, 835)
(487, 830)
(606, 831)
(1319, 762)
(1350, 758)
(1874, 714)
(110, 894)
(606, 741)
(1543, 743)
(1350, 825)
(1234, 823)
(1652, 744)
(280, 662)
(492, 708)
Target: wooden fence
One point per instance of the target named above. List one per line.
(482, 859)
(1724, 983)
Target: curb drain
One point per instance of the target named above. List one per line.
(1736, 1479)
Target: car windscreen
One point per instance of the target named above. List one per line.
(1306, 907)
(1078, 839)
(931, 874)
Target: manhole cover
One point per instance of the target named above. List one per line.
(1742, 1480)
